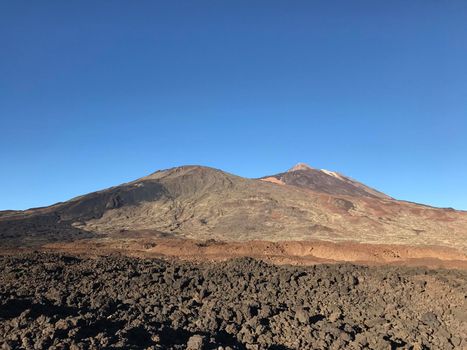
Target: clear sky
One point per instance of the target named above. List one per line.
(96, 93)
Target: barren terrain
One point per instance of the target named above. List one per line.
(284, 252)
(197, 204)
(195, 258)
(67, 302)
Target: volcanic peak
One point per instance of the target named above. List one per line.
(300, 166)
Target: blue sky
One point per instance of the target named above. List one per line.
(96, 93)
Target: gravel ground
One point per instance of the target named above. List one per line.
(51, 301)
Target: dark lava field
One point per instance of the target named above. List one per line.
(51, 301)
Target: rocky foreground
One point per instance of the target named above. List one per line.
(51, 301)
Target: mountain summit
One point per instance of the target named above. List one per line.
(300, 166)
(304, 176)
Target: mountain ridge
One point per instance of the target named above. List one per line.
(197, 202)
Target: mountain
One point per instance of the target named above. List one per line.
(203, 203)
(304, 176)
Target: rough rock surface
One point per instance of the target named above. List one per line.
(66, 302)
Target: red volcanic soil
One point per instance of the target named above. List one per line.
(285, 252)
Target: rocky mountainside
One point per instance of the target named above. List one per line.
(203, 203)
(304, 176)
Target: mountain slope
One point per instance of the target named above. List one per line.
(304, 176)
(204, 203)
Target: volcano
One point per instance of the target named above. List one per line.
(202, 203)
